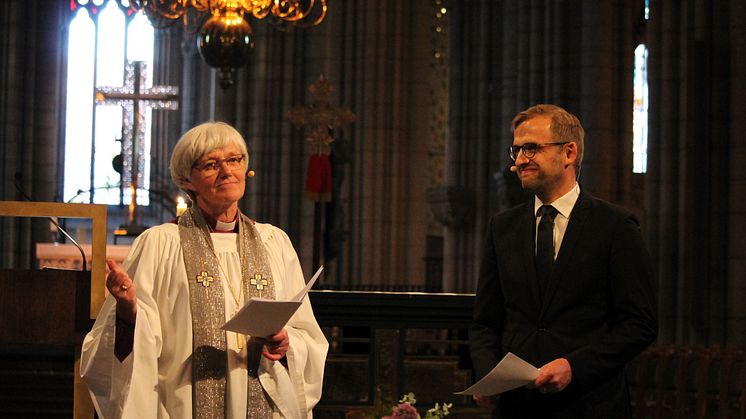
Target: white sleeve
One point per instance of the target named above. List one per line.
(128, 389)
(297, 389)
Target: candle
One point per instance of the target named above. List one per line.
(181, 206)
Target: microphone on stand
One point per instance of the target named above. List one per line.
(23, 193)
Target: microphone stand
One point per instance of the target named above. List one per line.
(23, 193)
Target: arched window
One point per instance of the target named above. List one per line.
(103, 38)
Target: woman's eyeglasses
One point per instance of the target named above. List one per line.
(210, 167)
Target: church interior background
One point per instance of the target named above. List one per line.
(418, 170)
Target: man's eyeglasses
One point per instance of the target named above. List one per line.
(530, 149)
(210, 167)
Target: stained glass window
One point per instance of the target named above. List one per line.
(103, 37)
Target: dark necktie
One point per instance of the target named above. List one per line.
(545, 244)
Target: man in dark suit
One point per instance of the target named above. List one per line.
(565, 283)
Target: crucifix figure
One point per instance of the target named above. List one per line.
(322, 119)
(135, 98)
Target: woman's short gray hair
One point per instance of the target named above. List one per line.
(200, 140)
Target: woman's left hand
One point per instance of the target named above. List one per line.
(275, 346)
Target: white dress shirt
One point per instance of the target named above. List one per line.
(563, 205)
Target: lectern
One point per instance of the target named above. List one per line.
(53, 307)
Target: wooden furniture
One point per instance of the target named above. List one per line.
(45, 317)
(51, 307)
(688, 382)
(386, 344)
(93, 211)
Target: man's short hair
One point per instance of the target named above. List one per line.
(565, 126)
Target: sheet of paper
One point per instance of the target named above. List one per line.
(263, 317)
(511, 372)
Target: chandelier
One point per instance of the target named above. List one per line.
(224, 36)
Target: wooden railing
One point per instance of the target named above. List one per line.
(688, 382)
(386, 344)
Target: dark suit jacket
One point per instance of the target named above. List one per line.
(598, 310)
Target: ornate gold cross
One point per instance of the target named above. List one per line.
(258, 282)
(320, 116)
(205, 279)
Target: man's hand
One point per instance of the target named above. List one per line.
(123, 289)
(275, 346)
(553, 377)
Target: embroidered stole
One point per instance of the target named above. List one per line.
(207, 298)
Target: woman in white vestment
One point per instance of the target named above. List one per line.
(157, 349)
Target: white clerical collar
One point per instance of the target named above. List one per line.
(563, 204)
(221, 226)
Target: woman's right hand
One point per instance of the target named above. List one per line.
(123, 289)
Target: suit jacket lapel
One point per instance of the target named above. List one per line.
(566, 254)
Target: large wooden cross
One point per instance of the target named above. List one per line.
(134, 98)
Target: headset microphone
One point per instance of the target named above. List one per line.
(514, 169)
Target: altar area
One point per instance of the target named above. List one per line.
(67, 256)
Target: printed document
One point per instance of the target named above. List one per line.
(262, 317)
(510, 373)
